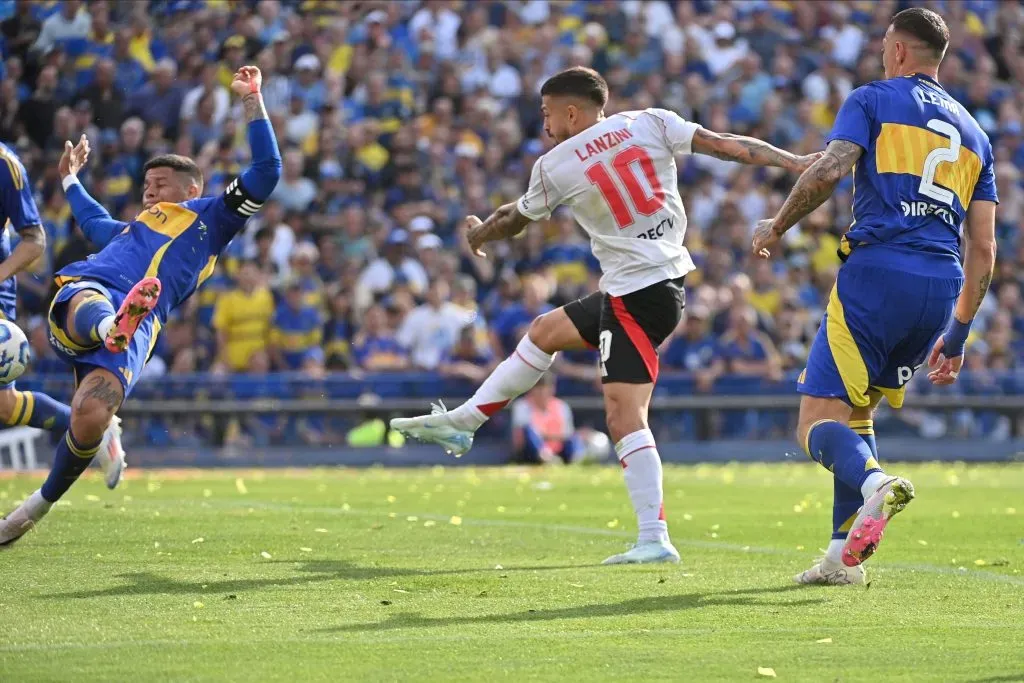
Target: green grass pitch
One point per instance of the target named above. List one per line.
(460, 574)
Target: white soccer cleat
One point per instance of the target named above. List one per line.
(646, 553)
(866, 533)
(828, 573)
(111, 454)
(436, 428)
(23, 519)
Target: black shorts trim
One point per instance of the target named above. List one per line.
(628, 329)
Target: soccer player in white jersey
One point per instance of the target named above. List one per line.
(618, 174)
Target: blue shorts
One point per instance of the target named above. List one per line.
(878, 329)
(127, 366)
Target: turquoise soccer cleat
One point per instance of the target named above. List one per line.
(646, 553)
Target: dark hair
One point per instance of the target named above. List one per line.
(176, 163)
(578, 81)
(926, 26)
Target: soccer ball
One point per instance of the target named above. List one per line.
(597, 447)
(14, 352)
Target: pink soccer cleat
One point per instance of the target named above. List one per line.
(866, 533)
(139, 303)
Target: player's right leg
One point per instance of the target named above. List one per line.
(849, 354)
(96, 400)
(573, 326)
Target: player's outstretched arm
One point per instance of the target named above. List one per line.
(947, 355)
(260, 179)
(95, 221)
(746, 150)
(504, 223)
(815, 186)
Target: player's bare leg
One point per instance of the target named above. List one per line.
(96, 400)
(453, 429)
(626, 407)
(824, 432)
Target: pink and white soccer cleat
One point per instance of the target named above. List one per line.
(139, 303)
(866, 533)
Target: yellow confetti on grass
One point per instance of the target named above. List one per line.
(922, 542)
(956, 514)
(455, 520)
(766, 671)
(198, 605)
(429, 523)
(306, 550)
(391, 499)
(240, 486)
(824, 640)
(612, 524)
(346, 507)
(152, 485)
(207, 493)
(92, 499)
(1011, 511)
(412, 518)
(319, 530)
(501, 508)
(265, 555)
(198, 540)
(980, 563)
(687, 517)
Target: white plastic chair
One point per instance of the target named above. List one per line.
(18, 446)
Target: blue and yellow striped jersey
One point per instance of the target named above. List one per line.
(18, 209)
(925, 159)
(177, 243)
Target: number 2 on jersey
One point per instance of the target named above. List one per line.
(624, 164)
(937, 156)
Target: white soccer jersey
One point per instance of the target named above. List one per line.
(619, 178)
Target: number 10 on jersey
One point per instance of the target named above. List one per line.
(644, 201)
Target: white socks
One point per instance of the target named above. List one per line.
(641, 468)
(834, 554)
(105, 326)
(516, 375)
(871, 484)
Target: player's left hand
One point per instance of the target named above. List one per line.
(944, 371)
(764, 237)
(247, 80)
(804, 162)
(474, 236)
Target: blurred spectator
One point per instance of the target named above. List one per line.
(159, 101)
(694, 349)
(294, 192)
(375, 347)
(209, 86)
(745, 350)
(242, 319)
(542, 426)
(430, 331)
(70, 22)
(394, 266)
(21, 29)
(297, 333)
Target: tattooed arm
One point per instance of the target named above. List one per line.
(979, 258)
(746, 150)
(811, 190)
(504, 223)
(947, 356)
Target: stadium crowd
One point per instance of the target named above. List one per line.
(397, 119)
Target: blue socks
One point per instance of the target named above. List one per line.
(71, 460)
(846, 501)
(842, 452)
(92, 318)
(39, 410)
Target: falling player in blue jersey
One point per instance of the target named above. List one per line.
(923, 167)
(107, 314)
(34, 408)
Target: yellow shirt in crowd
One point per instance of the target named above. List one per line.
(245, 321)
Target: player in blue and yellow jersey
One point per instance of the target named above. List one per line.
(33, 408)
(922, 168)
(108, 311)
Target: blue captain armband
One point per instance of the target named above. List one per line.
(955, 338)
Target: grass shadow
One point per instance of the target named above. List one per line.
(146, 583)
(653, 604)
